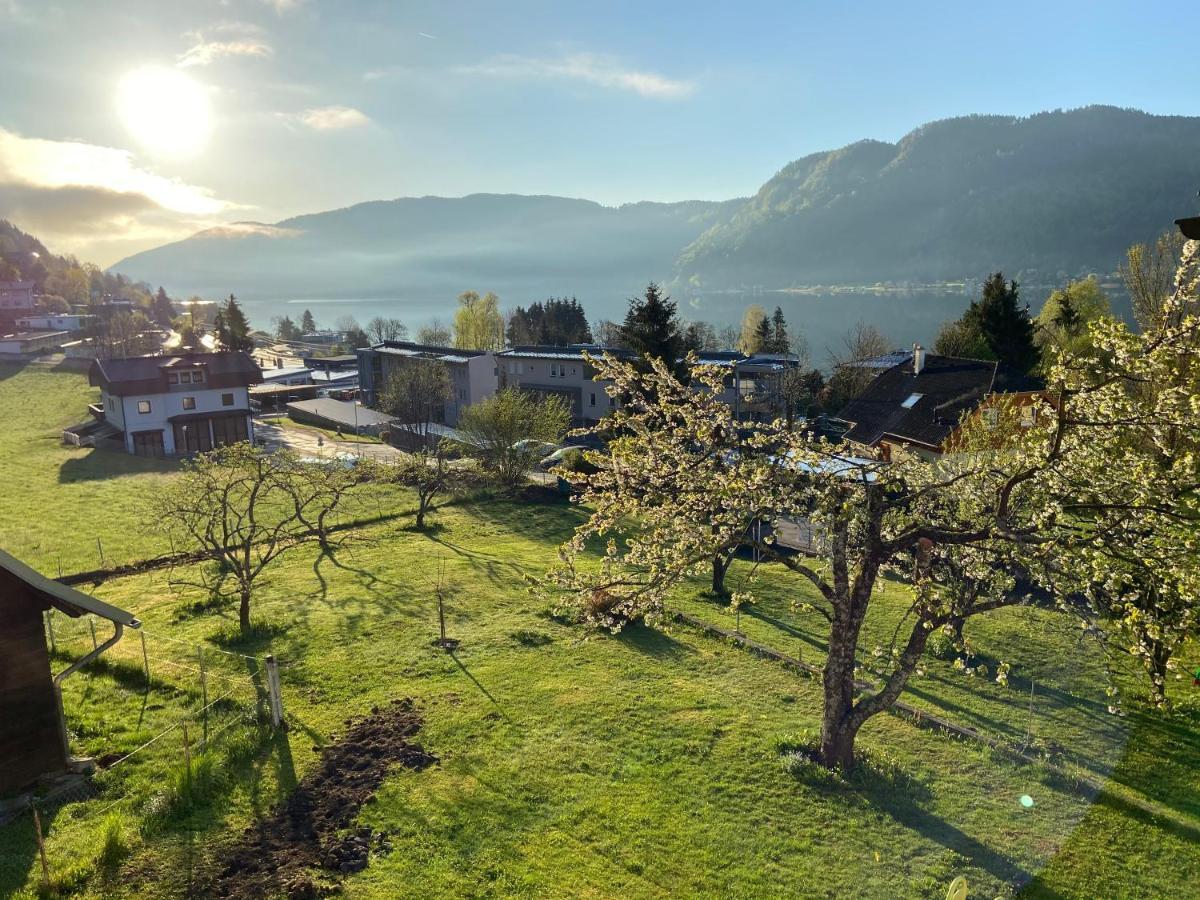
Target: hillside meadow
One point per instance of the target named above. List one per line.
(646, 764)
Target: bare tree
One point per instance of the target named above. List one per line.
(850, 377)
(429, 473)
(381, 329)
(1149, 276)
(415, 393)
(435, 332)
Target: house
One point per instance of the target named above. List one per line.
(916, 406)
(33, 733)
(25, 344)
(473, 373)
(177, 405)
(16, 299)
(56, 322)
(752, 385)
(289, 375)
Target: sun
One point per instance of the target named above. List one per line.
(165, 111)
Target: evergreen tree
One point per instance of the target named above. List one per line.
(307, 324)
(232, 328)
(651, 328)
(780, 342)
(1005, 324)
(161, 310)
(763, 337)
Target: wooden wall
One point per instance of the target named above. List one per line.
(30, 742)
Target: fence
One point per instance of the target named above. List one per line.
(145, 710)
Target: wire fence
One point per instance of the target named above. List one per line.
(144, 713)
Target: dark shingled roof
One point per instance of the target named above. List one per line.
(948, 387)
(145, 374)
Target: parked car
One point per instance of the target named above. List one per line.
(555, 458)
(539, 448)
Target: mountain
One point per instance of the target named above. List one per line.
(1051, 195)
(1042, 198)
(523, 247)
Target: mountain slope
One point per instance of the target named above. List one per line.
(1054, 194)
(520, 246)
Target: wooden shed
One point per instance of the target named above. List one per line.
(33, 735)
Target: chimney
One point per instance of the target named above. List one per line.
(918, 359)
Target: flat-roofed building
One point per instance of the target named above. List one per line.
(473, 374)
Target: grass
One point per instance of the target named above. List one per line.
(329, 434)
(644, 764)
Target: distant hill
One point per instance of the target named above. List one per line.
(1051, 195)
(523, 247)
(1044, 197)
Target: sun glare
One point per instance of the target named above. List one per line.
(166, 112)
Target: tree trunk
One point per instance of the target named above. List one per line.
(837, 728)
(420, 523)
(1159, 656)
(244, 610)
(720, 565)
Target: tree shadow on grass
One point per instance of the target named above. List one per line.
(101, 465)
(652, 642)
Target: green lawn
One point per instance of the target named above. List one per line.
(644, 765)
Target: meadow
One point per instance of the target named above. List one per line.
(645, 764)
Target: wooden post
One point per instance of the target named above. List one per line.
(274, 693)
(441, 618)
(145, 658)
(203, 691)
(50, 628)
(100, 547)
(41, 843)
(92, 626)
(187, 754)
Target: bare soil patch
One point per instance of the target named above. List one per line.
(312, 829)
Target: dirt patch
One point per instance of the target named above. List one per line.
(311, 828)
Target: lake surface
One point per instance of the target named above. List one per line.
(821, 318)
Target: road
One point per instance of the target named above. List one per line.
(310, 443)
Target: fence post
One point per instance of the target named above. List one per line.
(92, 626)
(50, 628)
(41, 844)
(100, 547)
(203, 691)
(274, 692)
(145, 658)
(187, 754)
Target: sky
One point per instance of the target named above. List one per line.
(125, 125)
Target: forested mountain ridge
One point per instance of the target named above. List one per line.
(1050, 195)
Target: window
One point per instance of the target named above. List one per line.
(112, 407)
(1028, 416)
(185, 377)
(912, 400)
(172, 378)
(198, 376)
(189, 402)
(991, 417)
(592, 399)
(228, 430)
(227, 399)
(143, 406)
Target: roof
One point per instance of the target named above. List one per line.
(925, 408)
(343, 412)
(143, 374)
(285, 372)
(563, 351)
(424, 351)
(72, 602)
(32, 335)
(883, 361)
(16, 285)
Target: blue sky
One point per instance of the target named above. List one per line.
(314, 104)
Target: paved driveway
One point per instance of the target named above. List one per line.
(310, 443)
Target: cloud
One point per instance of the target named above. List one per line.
(601, 71)
(334, 118)
(249, 229)
(90, 199)
(283, 6)
(205, 52)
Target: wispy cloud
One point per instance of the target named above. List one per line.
(205, 52)
(601, 71)
(432, 37)
(79, 194)
(334, 118)
(283, 6)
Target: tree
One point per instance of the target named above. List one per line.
(381, 329)
(727, 337)
(558, 321)
(962, 338)
(355, 337)
(435, 333)
(503, 432)
(1024, 509)
(609, 334)
(285, 329)
(478, 324)
(415, 393)
(307, 324)
(53, 304)
(1148, 273)
(1005, 324)
(755, 327)
(779, 342)
(428, 472)
(243, 506)
(699, 336)
(850, 377)
(162, 310)
(231, 327)
(650, 328)
(1068, 310)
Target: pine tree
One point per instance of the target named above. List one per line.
(161, 309)
(651, 328)
(307, 324)
(780, 342)
(1005, 324)
(762, 336)
(233, 330)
